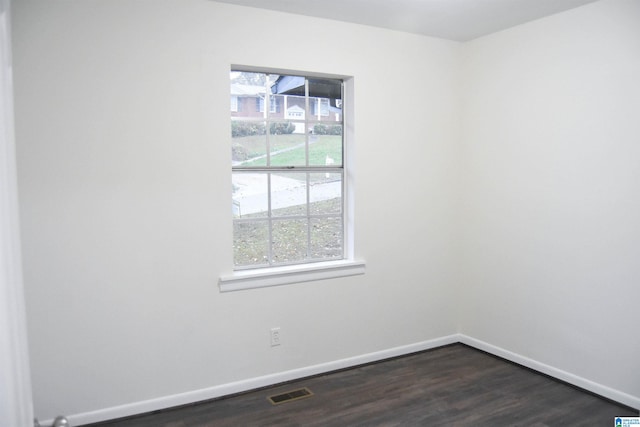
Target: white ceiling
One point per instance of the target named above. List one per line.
(459, 20)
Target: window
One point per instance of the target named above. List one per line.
(272, 107)
(291, 202)
(288, 173)
(320, 107)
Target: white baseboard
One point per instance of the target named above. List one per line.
(294, 374)
(249, 384)
(602, 390)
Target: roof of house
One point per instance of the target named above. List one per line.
(320, 88)
(238, 89)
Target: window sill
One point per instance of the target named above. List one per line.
(276, 276)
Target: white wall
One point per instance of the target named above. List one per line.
(551, 210)
(123, 159)
(16, 404)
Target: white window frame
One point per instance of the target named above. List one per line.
(272, 107)
(298, 273)
(319, 109)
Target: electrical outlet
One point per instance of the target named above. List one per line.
(275, 337)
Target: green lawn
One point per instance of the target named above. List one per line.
(289, 150)
(289, 244)
(290, 237)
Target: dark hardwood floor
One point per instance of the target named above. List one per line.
(449, 386)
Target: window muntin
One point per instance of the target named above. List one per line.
(287, 171)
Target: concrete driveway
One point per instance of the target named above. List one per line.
(250, 195)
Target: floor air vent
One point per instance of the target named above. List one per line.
(290, 396)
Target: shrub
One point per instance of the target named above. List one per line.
(327, 129)
(241, 128)
(282, 128)
(239, 153)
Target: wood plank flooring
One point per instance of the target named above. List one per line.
(449, 386)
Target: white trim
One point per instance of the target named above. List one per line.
(602, 390)
(296, 374)
(16, 402)
(250, 384)
(276, 276)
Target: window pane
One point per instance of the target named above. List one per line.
(325, 88)
(289, 194)
(325, 193)
(250, 192)
(319, 108)
(277, 108)
(249, 89)
(290, 240)
(248, 143)
(325, 100)
(325, 145)
(288, 85)
(287, 147)
(294, 107)
(289, 92)
(247, 78)
(326, 238)
(289, 208)
(250, 243)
